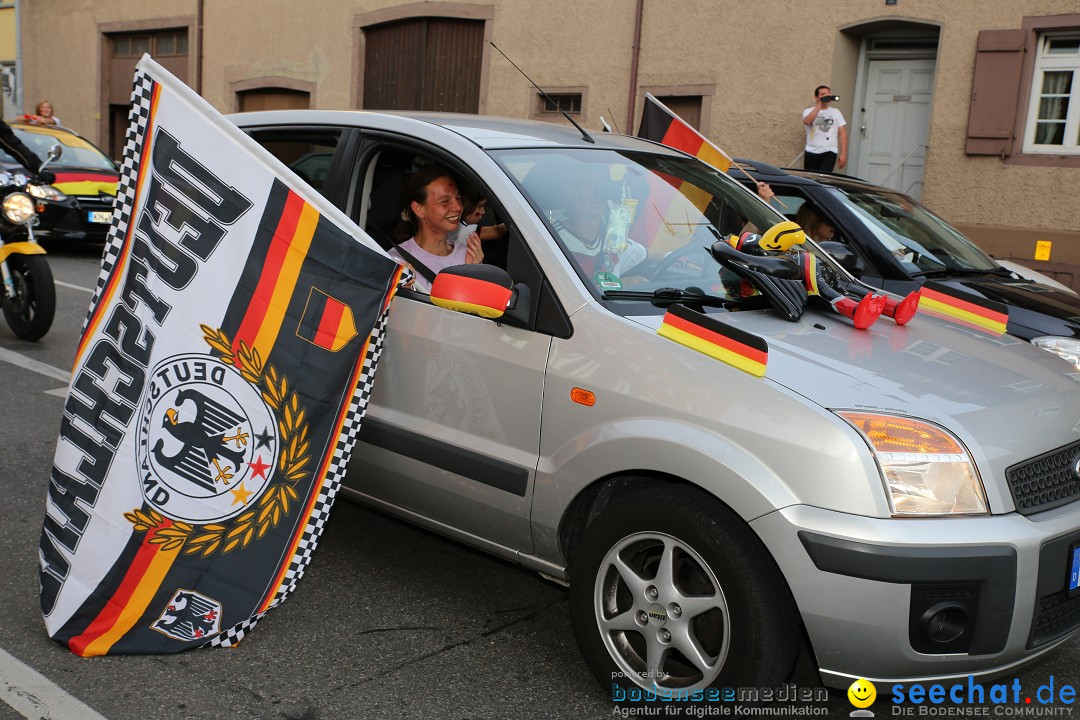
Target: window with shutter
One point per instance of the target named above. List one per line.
(995, 92)
(1053, 122)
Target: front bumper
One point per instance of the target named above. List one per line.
(70, 220)
(895, 600)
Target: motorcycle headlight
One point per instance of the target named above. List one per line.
(926, 470)
(1068, 349)
(18, 208)
(46, 192)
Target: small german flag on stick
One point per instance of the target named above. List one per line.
(736, 347)
(967, 308)
(660, 124)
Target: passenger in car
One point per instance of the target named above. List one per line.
(473, 207)
(816, 226)
(585, 229)
(430, 217)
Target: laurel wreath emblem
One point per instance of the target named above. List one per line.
(275, 502)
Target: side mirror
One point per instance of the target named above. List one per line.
(483, 290)
(844, 256)
(54, 152)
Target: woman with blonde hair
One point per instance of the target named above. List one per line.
(43, 114)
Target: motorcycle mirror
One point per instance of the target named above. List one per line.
(54, 152)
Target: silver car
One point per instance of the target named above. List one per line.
(905, 493)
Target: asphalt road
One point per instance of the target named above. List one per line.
(388, 622)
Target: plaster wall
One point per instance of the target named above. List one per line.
(757, 63)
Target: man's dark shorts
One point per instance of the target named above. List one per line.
(819, 162)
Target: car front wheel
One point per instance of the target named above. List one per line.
(672, 592)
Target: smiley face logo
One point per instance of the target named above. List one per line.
(862, 693)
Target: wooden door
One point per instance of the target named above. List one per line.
(423, 64)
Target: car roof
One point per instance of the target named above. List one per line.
(44, 129)
(770, 173)
(487, 131)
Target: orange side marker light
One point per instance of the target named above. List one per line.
(583, 397)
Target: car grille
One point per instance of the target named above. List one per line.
(1045, 482)
(1057, 614)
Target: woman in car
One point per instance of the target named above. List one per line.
(429, 220)
(811, 221)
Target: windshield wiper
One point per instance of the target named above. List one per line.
(955, 271)
(668, 296)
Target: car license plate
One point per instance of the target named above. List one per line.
(102, 216)
(1074, 569)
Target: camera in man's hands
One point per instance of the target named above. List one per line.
(829, 98)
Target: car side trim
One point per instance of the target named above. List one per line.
(481, 468)
(993, 567)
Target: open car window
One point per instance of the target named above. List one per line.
(918, 239)
(638, 221)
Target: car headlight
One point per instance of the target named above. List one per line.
(926, 470)
(18, 208)
(46, 192)
(1068, 349)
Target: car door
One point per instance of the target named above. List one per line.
(452, 431)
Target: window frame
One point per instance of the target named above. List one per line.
(1034, 27)
(1044, 62)
(537, 103)
(546, 313)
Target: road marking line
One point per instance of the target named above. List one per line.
(34, 696)
(73, 287)
(28, 363)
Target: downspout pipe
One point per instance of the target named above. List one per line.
(17, 91)
(634, 55)
(199, 8)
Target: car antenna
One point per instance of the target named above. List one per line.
(584, 135)
(616, 124)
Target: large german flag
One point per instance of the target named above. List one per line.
(724, 342)
(963, 307)
(659, 123)
(206, 467)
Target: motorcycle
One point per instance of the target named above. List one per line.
(29, 295)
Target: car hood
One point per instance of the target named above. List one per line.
(78, 181)
(1007, 400)
(1034, 308)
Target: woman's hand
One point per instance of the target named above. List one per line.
(474, 255)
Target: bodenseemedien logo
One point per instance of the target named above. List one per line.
(862, 694)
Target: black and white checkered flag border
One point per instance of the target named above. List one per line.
(138, 119)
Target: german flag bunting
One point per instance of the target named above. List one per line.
(724, 342)
(966, 308)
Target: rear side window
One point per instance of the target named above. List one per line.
(308, 153)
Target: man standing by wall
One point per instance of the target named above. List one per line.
(826, 133)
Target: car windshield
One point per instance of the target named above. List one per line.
(638, 221)
(921, 241)
(77, 152)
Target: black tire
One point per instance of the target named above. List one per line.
(30, 313)
(754, 645)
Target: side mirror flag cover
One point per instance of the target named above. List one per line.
(482, 290)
